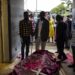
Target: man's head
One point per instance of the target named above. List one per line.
(31, 15)
(68, 17)
(59, 18)
(26, 15)
(42, 15)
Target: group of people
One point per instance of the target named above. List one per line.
(41, 33)
(26, 30)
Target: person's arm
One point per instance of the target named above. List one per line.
(70, 26)
(20, 29)
(70, 29)
(47, 29)
(31, 28)
(36, 28)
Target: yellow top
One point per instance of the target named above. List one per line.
(51, 27)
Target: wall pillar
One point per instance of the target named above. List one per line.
(16, 14)
(73, 24)
(5, 35)
(11, 12)
(0, 35)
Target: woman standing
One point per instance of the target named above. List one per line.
(51, 29)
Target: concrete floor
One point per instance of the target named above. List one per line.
(6, 68)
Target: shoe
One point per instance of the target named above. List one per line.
(71, 65)
(63, 60)
(56, 52)
(73, 69)
(22, 58)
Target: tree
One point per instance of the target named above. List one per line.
(59, 9)
(68, 3)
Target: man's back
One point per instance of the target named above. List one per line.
(61, 31)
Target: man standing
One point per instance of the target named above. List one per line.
(41, 31)
(25, 30)
(60, 37)
(68, 33)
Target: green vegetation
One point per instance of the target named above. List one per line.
(62, 9)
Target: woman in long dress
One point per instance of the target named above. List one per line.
(51, 29)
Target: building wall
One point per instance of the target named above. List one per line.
(16, 14)
(5, 39)
(9, 20)
(0, 35)
(73, 24)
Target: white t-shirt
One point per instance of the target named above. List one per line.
(39, 28)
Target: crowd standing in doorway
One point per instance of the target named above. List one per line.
(45, 29)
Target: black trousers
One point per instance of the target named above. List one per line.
(73, 51)
(60, 49)
(67, 44)
(25, 43)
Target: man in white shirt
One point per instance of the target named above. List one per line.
(41, 31)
